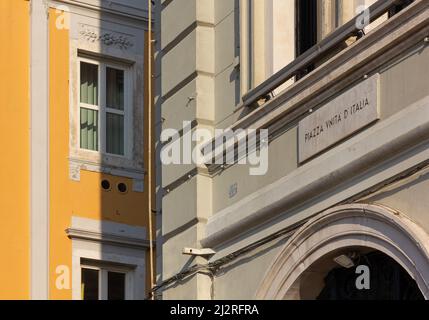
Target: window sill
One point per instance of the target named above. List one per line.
(108, 164)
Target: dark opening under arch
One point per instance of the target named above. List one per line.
(387, 280)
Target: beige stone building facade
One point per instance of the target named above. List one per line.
(341, 211)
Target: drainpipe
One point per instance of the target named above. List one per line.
(151, 250)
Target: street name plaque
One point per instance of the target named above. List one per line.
(338, 119)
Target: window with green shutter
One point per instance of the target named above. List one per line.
(89, 83)
(103, 107)
(88, 129)
(89, 106)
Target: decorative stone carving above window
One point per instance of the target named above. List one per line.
(107, 38)
(116, 46)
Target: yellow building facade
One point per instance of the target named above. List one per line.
(75, 96)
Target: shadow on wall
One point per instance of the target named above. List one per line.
(102, 64)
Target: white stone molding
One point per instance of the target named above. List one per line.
(39, 192)
(106, 37)
(386, 140)
(357, 225)
(108, 242)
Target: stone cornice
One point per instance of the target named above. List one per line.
(127, 11)
(80, 234)
(383, 142)
(350, 66)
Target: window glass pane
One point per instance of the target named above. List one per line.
(89, 83)
(115, 88)
(307, 27)
(115, 133)
(89, 284)
(89, 129)
(116, 286)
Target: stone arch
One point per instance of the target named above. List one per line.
(357, 225)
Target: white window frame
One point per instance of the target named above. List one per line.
(103, 271)
(246, 46)
(122, 249)
(103, 109)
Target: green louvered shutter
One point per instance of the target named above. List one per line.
(89, 129)
(88, 117)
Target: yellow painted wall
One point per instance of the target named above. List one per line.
(84, 198)
(14, 141)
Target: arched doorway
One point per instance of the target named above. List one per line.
(318, 259)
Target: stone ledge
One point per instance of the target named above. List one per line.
(383, 142)
(108, 232)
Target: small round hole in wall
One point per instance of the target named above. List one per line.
(105, 184)
(122, 187)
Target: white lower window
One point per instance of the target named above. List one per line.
(108, 260)
(104, 282)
